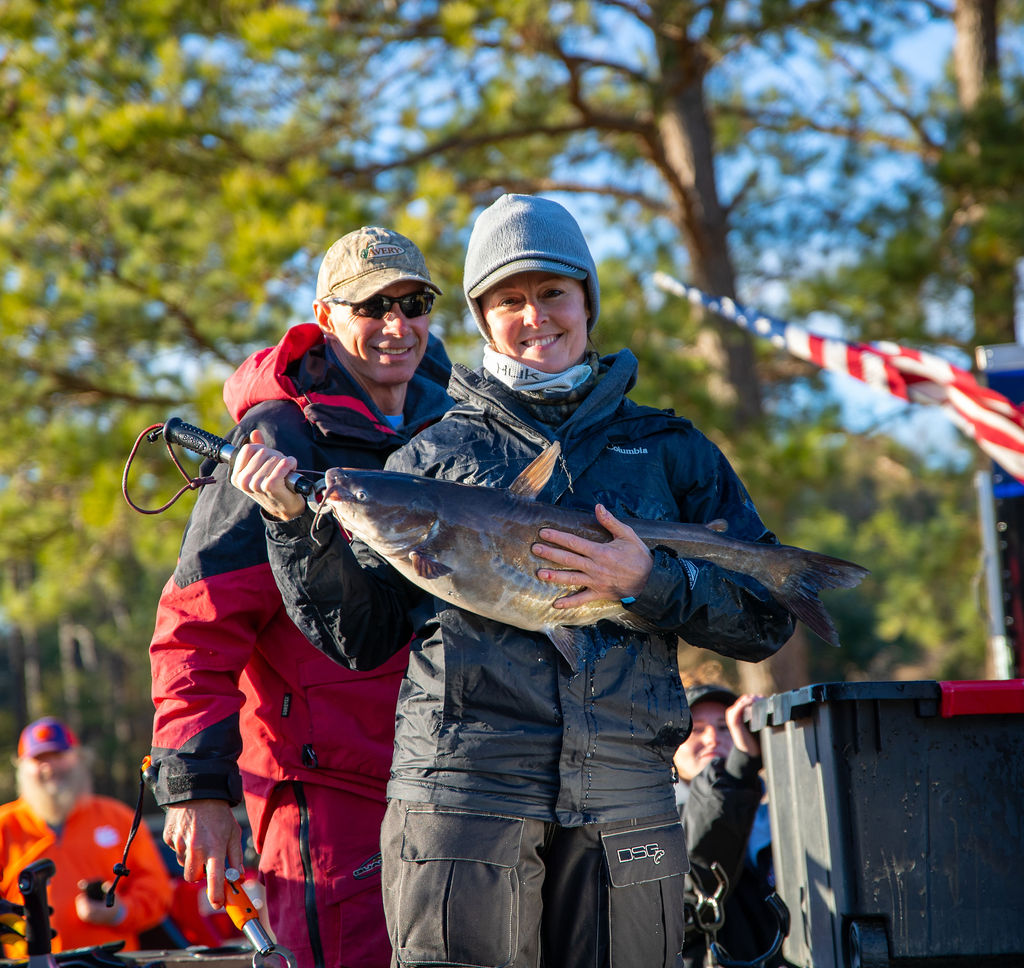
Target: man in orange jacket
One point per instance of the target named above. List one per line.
(57, 816)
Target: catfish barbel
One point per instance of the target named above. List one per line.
(471, 546)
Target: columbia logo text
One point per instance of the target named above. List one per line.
(627, 450)
(640, 852)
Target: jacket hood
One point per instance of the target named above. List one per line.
(263, 376)
(302, 368)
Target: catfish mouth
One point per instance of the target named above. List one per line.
(392, 529)
(339, 495)
(338, 486)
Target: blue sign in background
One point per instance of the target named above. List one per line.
(1010, 383)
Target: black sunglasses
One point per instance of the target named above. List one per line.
(377, 307)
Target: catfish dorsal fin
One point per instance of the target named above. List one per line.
(531, 482)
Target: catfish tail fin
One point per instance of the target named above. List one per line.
(799, 591)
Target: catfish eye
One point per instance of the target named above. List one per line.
(361, 495)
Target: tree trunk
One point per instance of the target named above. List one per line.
(77, 651)
(69, 675)
(16, 658)
(685, 154)
(991, 265)
(33, 674)
(785, 670)
(123, 775)
(975, 49)
(756, 678)
(788, 667)
(25, 651)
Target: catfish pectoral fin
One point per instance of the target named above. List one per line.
(564, 639)
(635, 622)
(427, 566)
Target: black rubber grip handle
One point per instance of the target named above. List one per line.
(32, 884)
(202, 442)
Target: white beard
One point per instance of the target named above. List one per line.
(52, 799)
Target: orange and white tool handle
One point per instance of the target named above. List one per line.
(245, 916)
(237, 904)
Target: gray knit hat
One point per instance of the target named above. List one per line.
(523, 233)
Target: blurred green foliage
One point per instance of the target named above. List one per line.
(170, 173)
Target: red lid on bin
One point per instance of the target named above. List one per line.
(982, 697)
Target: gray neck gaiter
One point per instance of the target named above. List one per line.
(519, 376)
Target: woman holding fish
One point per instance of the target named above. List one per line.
(531, 814)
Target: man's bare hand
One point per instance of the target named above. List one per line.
(262, 473)
(206, 839)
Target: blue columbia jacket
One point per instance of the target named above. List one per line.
(489, 716)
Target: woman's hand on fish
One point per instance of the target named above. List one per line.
(262, 472)
(607, 570)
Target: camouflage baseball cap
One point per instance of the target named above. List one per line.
(368, 260)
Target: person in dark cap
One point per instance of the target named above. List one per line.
(531, 817)
(722, 808)
(245, 706)
(57, 816)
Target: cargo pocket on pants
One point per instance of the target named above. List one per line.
(458, 897)
(646, 914)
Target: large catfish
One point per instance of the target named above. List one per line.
(470, 546)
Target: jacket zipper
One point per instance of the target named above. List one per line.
(312, 918)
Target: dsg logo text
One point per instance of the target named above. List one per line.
(640, 852)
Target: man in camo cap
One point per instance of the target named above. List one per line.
(244, 704)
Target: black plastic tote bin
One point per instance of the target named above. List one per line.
(897, 813)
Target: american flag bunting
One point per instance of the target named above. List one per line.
(994, 422)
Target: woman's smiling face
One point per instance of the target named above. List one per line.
(539, 319)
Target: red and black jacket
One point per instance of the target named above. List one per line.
(243, 701)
